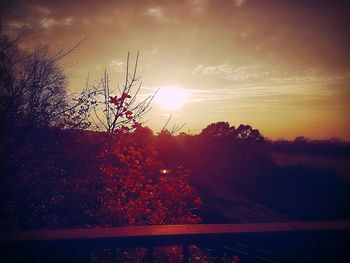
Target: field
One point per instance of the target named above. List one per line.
(340, 164)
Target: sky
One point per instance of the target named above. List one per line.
(281, 66)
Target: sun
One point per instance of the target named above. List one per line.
(171, 98)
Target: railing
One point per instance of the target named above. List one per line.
(220, 237)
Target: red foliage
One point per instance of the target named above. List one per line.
(137, 193)
(120, 108)
(113, 100)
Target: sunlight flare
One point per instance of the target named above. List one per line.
(171, 98)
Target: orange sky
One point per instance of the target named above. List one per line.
(281, 66)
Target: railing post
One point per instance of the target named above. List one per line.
(219, 253)
(150, 255)
(114, 255)
(252, 252)
(186, 253)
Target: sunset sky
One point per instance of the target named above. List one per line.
(282, 66)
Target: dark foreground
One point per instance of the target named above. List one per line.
(264, 242)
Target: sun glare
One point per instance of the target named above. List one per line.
(171, 98)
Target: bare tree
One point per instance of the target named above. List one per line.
(32, 83)
(32, 86)
(119, 108)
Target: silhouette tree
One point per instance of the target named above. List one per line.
(32, 84)
(218, 130)
(32, 87)
(247, 133)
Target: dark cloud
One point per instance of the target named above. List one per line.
(295, 32)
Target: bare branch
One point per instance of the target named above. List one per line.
(166, 123)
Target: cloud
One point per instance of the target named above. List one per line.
(48, 23)
(117, 66)
(15, 24)
(239, 2)
(273, 76)
(198, 6)
(263, 98)
(308, 88)
(42, 10)
(156, 13)
(228, 72)
(281, 31)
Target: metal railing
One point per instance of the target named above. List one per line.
(249, 240)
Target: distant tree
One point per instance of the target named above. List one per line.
(224, 130)
(218, 130)
(166, 146)
(247, 133)
(164, 134)
(301, 140)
